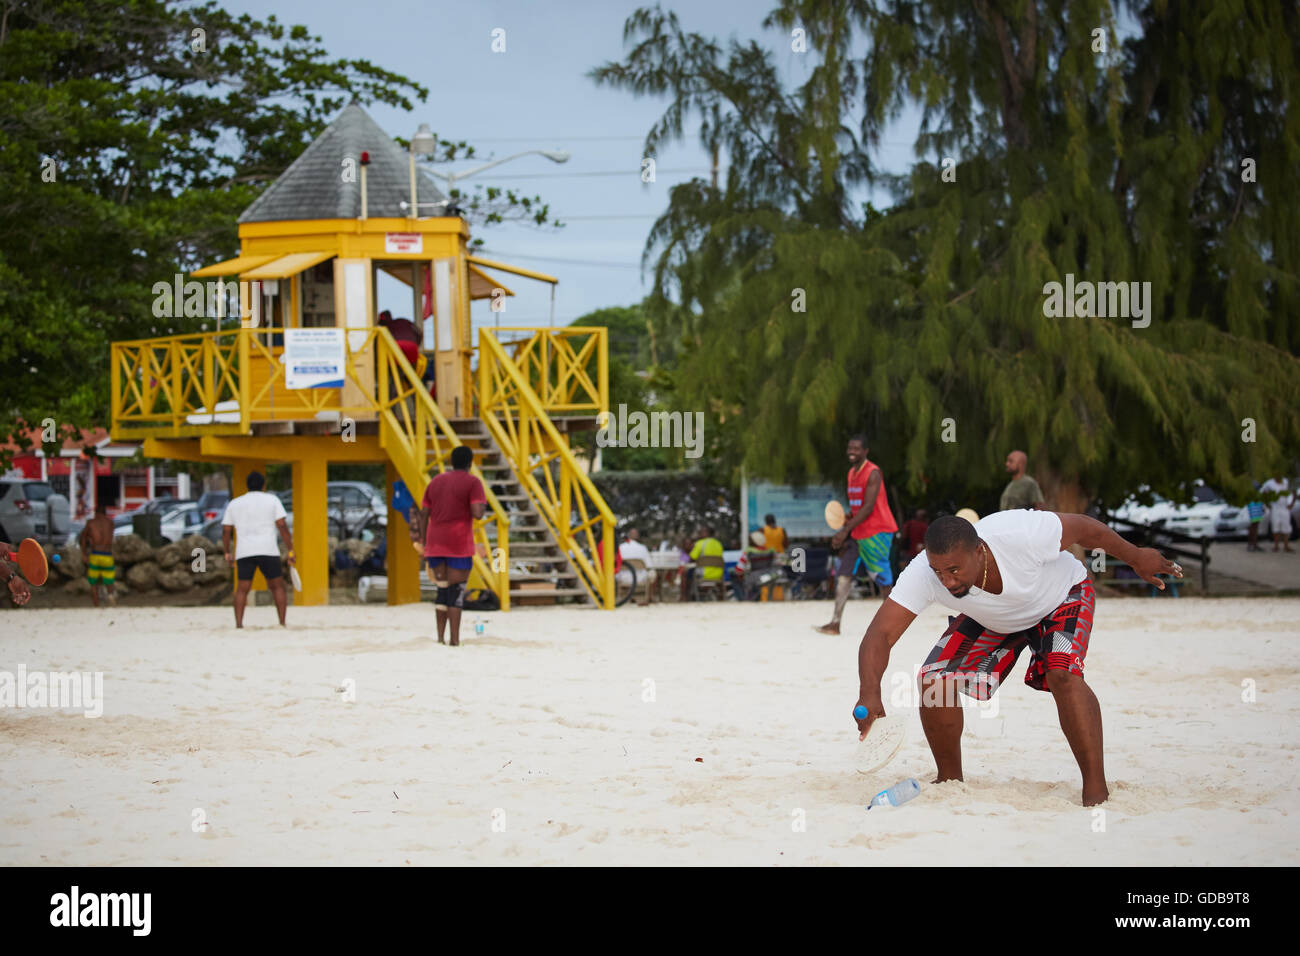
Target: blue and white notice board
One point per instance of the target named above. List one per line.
(801, 511)
(313, 358)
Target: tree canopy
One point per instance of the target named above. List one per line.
(1051, 150)
(132, 134)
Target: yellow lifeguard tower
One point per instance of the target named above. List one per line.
(262, 388)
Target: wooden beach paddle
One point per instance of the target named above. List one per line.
(835, 516)
(32, 563)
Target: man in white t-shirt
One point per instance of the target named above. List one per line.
(1014, 584)
(633, 548)
(255, 518)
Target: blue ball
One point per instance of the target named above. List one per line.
(57, 558)
(859, 712)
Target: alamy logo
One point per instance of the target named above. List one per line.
(194, 299)
(652, 430)
(102, 909)
(1102, 300)
(56, 690)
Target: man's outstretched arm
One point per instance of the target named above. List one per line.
(1090, 533)
(873, 656)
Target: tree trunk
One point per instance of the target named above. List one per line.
(1062, 492)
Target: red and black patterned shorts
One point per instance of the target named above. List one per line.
(980, 659)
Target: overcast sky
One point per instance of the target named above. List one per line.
(536, 95)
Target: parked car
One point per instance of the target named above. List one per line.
(16, 519)
(153, 506)
(213, 504)
(183, 519)
(354, 505)
(1197, 519)
(35, 508)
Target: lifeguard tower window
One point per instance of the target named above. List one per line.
(318, 296)
(399, 288)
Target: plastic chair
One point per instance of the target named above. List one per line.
(715, 587)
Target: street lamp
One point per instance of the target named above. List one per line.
(554, 155)
(424, 143)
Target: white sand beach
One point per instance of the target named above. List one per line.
(691, 734)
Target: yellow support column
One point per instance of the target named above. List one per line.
(403, 563)
(240, 469)
(311, 529)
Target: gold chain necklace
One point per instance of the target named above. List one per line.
(985, 579)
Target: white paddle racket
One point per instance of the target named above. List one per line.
(293, 576)
(884, 740)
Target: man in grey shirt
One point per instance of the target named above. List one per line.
(1021, 491)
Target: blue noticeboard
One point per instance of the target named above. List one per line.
(801, 511)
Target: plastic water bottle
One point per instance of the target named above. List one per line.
(897, 795)
(479, 626)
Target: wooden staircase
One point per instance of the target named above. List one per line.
(539, 570)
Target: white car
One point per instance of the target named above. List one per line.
(1197, 520)
(177, 522)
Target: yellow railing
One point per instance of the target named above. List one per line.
(559, 365)
(169, 387)
(419, 440)
(568, 502)
(193, 385)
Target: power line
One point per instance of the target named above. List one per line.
(604, 172)
(606, 263)
(535, 139)
(588, 218)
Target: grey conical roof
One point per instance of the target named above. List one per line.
(313, 187)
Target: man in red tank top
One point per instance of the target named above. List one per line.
(865, 539)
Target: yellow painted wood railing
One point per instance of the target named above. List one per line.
(559, 365)
(564, 496)
(220, 383)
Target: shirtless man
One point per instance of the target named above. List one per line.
(97, 548)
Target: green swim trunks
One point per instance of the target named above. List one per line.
(100, 568)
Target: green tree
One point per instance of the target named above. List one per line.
(132, 134)
(1039, 155)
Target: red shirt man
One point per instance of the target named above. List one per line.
(452, 502)
(870, 527)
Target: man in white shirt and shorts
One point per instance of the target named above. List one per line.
(255, 518)
(1014, 585)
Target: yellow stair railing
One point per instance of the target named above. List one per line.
(564, 495)
(419, 439)
(558, 366)
(204, 384)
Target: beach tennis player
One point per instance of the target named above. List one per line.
(13, 581)
(1013, 585)
(96, 542)
(865, 539)
(254, 518)
(452, 502)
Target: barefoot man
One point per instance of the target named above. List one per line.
(97, 550)
(452, 502)
(253, 519)
(866, 536)
(1013, 584)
